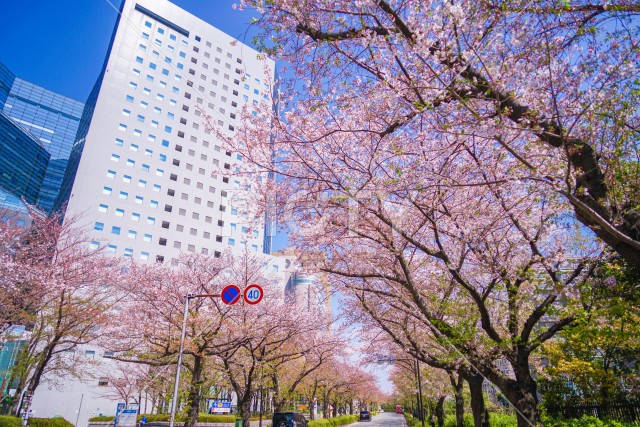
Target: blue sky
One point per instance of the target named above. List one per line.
(61, 44)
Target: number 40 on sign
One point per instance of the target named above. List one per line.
(252, 294)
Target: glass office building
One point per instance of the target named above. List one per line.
(23, 161)
(53, 119)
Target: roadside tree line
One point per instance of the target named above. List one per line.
(69, 295)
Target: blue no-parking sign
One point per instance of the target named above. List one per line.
(230, 294)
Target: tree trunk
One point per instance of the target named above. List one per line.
(440, 411)
(351, 407)
(457, 384)
(244, 409)
(195, 392)
(523, 392)
(478, 407)
(325, 406)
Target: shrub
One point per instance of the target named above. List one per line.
(497, 419)
(412, 422)
(342, 420)
(216, 418)
(450, 420)
(8, 421)
(49, 422)
(101, 419)
(586, 421)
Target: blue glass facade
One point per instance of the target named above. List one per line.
(6, 81)
(23, 161)
(53, 119)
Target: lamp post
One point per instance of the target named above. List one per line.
(418, 380)
(174, 402)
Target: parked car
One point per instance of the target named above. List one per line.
(289, 419)
(365, 416)
(399, 409)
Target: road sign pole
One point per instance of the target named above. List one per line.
(174, 402)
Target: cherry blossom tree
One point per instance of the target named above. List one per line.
(20, 290)
(453, 163)
(146, 327)
(75, 298)
(553, 86)
(274, 335)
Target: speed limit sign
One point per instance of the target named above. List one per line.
(253, 294)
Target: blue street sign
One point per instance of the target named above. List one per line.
(220, 407)
(231, 294)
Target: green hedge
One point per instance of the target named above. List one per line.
(586, 421)
(205, 418)
(8, 421)
(412, 422)
(342, 420)
(49, 422)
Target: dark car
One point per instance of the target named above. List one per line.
(365, 416)
(289, 419)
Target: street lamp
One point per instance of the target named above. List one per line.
(418, 380)
(174, 402)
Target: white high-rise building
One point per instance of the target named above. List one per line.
(146, 174)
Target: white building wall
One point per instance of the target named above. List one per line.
(150, 171)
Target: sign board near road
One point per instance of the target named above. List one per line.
(121, 406)
(128, 418)
(253, 294)
(231, 294)
(220, 407)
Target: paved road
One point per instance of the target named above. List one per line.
(386, 419)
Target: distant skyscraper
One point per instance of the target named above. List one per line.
(52, 119)
(306, 287)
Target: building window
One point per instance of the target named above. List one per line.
(232, 242)
(115, 230)
(119, 212)
(147, 237)
(124, 195)
(128, 252)
(98, 226)
(132, 234)
(103, 208)
(107, 191)
(144, 256)
(135, 216)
